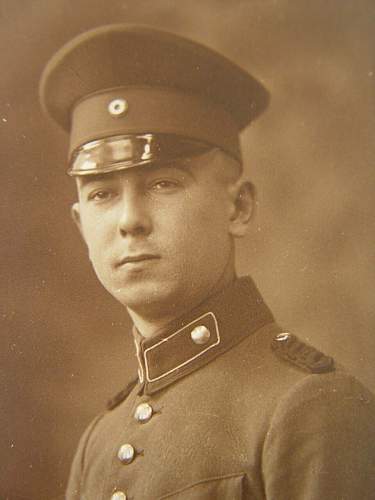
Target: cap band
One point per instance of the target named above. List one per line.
(126, 151)
(145, 110)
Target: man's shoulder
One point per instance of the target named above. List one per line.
(281, 365)
(272, 351)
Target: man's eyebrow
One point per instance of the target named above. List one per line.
(84, 180)
(181, 164)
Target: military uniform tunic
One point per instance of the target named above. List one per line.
(229, 406)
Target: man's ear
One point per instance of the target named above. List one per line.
(76, 216)
(243, 204)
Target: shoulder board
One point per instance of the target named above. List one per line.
(290, 348)
(122, 395)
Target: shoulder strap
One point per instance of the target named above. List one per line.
(290, 348)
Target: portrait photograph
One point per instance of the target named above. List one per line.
(187, 250)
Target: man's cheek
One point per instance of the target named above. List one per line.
(96, 255)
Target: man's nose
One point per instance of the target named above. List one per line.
(134, 217)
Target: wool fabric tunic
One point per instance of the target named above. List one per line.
(227, 405)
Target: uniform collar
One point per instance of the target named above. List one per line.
(194, 340)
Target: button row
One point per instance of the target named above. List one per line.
(126, 453)
(144, 411)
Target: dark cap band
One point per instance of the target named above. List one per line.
(153, 110)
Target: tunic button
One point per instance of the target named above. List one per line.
(118, 495)
(143, 413)
(200, 334)
(126, 454)
(283, 337)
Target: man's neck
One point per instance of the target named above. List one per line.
(151, 326)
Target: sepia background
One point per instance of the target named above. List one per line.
(65, 344)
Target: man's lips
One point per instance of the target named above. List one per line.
(136, 258)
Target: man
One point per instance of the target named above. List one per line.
(226, 404)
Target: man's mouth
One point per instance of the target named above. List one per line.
(131, 259)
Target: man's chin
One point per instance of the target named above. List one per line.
(143, 295)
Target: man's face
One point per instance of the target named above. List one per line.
(158, 237)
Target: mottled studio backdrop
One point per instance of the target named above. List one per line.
(65, 346)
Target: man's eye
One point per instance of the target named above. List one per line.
(101, 195)
(164, 185)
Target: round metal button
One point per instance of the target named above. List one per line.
(200, 334)
(143, 412)
(126, 453)
(283, 337)
(118, 495)
(118, 107)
